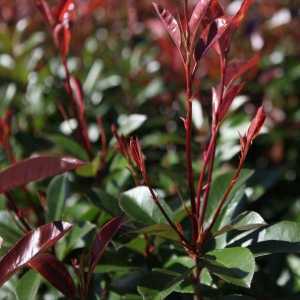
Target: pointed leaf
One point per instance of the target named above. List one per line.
(210, 36)
(198, 13)
(28, 286)
(57, 194)
(246, 221)
(238, 68)
(34, 169)
(282, 237)
(65, 7)
(102, 239)
(138, 204)
(29, 246)
(55, 272)
(233, 265)
(170, 24)
(219, 186)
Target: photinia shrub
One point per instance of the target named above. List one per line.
(97, 224)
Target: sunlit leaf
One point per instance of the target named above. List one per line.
(29, 246)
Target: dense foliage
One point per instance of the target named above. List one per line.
(149, 150)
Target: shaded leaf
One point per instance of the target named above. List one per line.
(31, 245)
(104, 201)
(68, 145)
(161, 230)
(102, 239)
(233, 265)
(170, 24)
(28, 286)
(34, 169)
(57, 194)
(159, 284)
(55, 272)
(219, 187)
(138, 204)
(238, 68)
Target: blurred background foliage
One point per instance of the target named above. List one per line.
(132, 77)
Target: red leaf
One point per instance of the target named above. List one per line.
(29, 246)
(238, 68)
(44, 8)
(256, 125)
(55, 272)
(170, 24)
(197, 15)
(105, 235)
(62, 37)
(228, 98)
(65, 8)
(234, 24)
(34, 169)
(213, 12)
(210, 36)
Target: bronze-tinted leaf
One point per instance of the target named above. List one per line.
(65, 8)
(32, 244)
(55, 272)
(210, 36)
(34, 169)
(197, 15)
(238, 68)
(169, 23)
(102, 239)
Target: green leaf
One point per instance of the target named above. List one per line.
(161, 230)
(159, 284)
(218, 189)
(138, 204)
(28, 285)
(233, 265)
(104, 201)
(8, 230)
(57, 194)
(283, 237)
(247, 220)
(69, 146)
(90, 169)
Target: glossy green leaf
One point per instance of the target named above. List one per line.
(244, 222)
(283, 237)
(57, 194)
(218, 189)
(28, 285)
(138, 204)
(233, 265)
